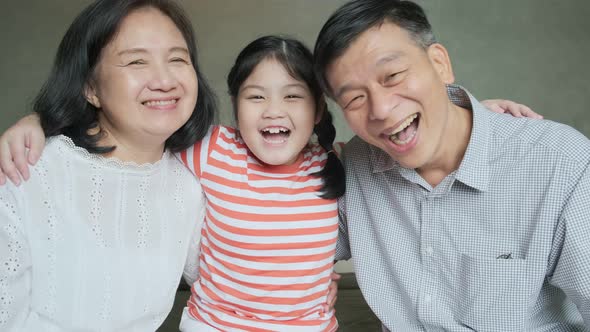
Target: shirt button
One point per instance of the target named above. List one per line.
(429, 251)
(427, 298)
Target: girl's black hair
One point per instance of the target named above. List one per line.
(61, 103)
(298, 61)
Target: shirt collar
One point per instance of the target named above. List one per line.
(474, 168)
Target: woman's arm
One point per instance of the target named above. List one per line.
(15, 264)
(510, 107)
(191, 266)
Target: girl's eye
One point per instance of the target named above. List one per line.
(293, 97)
(255, 97)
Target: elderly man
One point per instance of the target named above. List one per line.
(459, 219)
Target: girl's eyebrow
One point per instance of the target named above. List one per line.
(260, 87)
(295, 85)
(252, 86)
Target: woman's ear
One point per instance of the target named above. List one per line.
(439, 57)
(90, 94)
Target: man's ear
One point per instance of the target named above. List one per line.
(90, 95)
(320, 109)
(439, 57)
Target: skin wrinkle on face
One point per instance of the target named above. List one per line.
(144, 84)
(382, 79)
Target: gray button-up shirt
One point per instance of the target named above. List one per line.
(501, 244)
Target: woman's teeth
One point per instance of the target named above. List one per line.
(152, 103)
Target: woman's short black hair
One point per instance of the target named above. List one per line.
(61, 104)
(358, 16)
(298, 61)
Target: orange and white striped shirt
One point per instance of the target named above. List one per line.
(268, 240)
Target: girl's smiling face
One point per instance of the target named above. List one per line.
(276, 113)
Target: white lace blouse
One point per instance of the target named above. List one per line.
(94, 244)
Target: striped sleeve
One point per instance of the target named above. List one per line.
(195, 157)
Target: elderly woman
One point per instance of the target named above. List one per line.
(97, 239)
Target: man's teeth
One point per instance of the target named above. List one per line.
(160, 102)
(404, 125)
(398, 141)
(275, 130)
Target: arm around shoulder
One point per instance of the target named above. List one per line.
(343, 244)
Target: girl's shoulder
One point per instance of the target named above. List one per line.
(228, 132)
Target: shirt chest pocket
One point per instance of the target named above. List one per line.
(492, 294)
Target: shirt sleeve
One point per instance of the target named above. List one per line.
(570, 255)
(191, 266)
(15, 264)
(343, 245)
(195, 157)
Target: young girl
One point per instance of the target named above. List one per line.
(271, 225)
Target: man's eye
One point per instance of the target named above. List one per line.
(392, 76)
(395, 77)
(354, 102)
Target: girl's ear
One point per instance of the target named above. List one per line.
(321, 108)
(91, 96)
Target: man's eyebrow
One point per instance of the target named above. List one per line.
(389, 58)
(344, 89)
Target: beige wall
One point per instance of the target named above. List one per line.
(532, 51)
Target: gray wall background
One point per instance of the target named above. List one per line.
(531, 51)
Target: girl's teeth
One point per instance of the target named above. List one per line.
(275, 130)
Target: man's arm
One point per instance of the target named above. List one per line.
(343, 245)
(570, 255)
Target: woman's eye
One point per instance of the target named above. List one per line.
(180, 60)
(294, 97)
(136, 62)
(255, 97)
